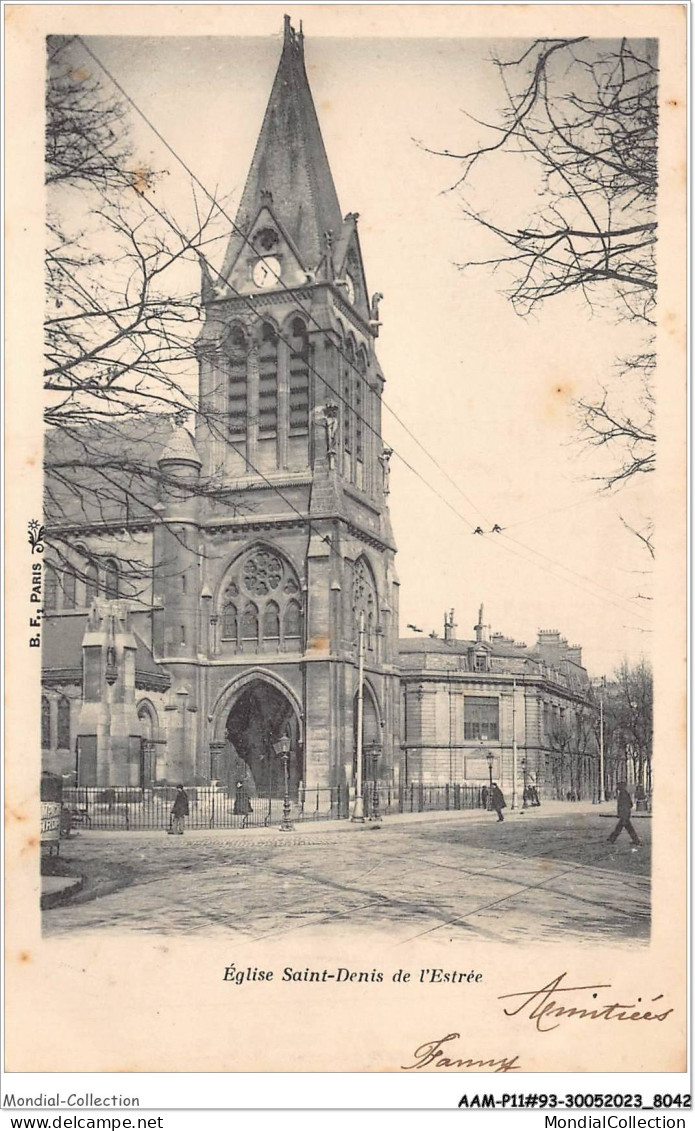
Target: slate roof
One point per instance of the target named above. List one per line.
(61, 654)
(107, 471)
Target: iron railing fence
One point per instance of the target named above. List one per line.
(380, 799)
(210, 807)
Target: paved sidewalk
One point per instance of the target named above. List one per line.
(549, 809)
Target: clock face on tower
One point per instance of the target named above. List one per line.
(266, 272)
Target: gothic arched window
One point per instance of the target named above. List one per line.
(111, 580)
(69, 589)
(293, 622)
(147, 722)
(299, 377)
(45, 723)
(364, 600)
(64, 723)
(268, 381)
(50, 589)
(91, 584)
(260, 601)
(348, 400)
(271, 622)
(237, 349)
(360, 401)
(229, 622)
(249, 623)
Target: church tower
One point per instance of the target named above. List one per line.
(290, 423)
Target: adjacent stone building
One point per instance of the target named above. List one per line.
(483, 706)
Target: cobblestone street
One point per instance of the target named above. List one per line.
(540, 876)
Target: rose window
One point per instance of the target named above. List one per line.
(262, 573)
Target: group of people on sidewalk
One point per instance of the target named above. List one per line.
(492, 799)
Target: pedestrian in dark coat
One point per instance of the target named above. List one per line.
(179, 810)
(484, 796)
(624, 810)
(242, 805)
(497, 801)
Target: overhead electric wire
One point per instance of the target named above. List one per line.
(311, 317)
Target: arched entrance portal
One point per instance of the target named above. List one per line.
(260, 717)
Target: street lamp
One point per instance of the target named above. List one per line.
(373, 751)
(283, 749)
(524, 770)
(490, 759)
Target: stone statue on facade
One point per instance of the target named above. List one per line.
(330, 418)
(385, 461)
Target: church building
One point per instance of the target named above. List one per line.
(264, 551)
(246, 630)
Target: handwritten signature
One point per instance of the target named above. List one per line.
(541, 1006)
(431, 1054)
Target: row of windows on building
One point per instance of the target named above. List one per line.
(70, 589)
(352, 392)
(481, 717)
(238, 352)
(62, 717)
(250, 625)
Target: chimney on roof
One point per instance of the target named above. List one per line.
(449, 625)
(481, 630)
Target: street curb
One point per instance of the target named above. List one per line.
(73, 885)
(345, 825)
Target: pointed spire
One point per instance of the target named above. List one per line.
(290, 163)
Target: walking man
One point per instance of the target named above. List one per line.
(179, 810)
(242, 805)
(497, 801)
(624, 811)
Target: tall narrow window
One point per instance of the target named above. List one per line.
(45, 723)
(293, 623)
(271, 622)
(268, 382)
(91, 584)
(111, 580)
(299, 378)
(229, 622)
(360, 401)
(68, 589)
(64, 723)
(249, 623)
(50, 590)
(238, 351)
(348, 399)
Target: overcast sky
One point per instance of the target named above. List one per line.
(487, 392)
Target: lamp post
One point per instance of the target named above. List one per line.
(514, 746)
(490, 759)
(283, 749)
(524, 770)
(358, 807)
(373, 752)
